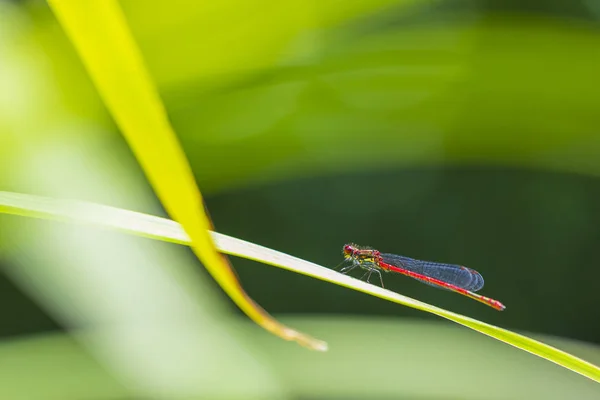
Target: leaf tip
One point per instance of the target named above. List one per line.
(303, 339)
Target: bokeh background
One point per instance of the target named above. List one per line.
(461, 131)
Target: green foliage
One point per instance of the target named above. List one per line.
(263, 91)
(369, 358)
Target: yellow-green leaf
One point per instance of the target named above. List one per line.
(102, 38)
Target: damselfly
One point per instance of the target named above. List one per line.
(451, 277)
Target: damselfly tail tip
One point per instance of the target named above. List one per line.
(497, 305)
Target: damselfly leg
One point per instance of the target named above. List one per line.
(368, 275)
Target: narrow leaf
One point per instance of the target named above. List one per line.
(102, 38)
(170, 231)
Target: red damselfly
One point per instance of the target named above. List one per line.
(455, 278)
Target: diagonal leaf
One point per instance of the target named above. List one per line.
(170, 231)
(101, 36)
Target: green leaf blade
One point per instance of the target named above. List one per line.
(163, 229)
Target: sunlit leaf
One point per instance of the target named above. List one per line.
(102, 38)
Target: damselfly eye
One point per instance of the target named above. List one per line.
(348, 250)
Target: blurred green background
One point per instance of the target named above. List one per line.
(461, 131)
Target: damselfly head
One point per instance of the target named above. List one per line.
(349, 250)
(360, 253)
